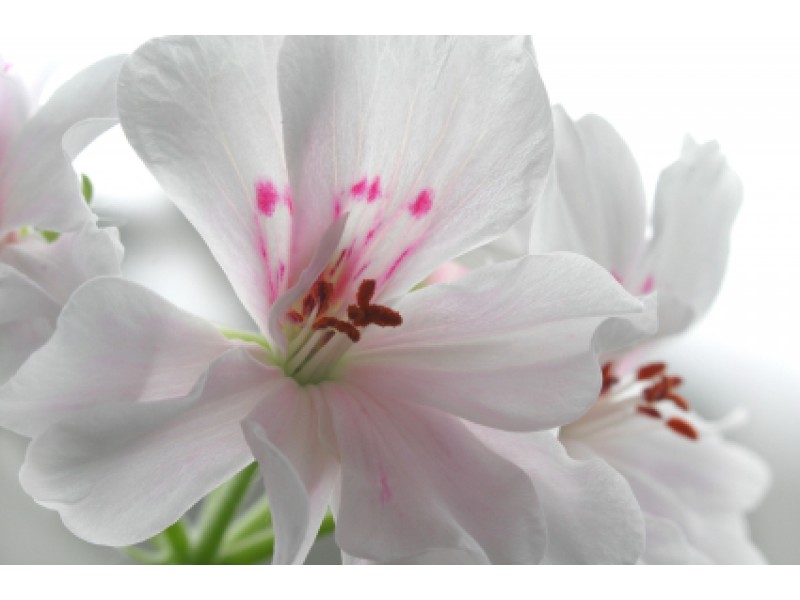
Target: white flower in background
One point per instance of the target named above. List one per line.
(694, 487)
(329, 176)
(40, 196)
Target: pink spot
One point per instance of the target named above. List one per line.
(386, 491)
(371, 234)
(287, 198)
(281, 271)
(648, 285)
(266, 197)
(374, 190)
(447, 272)
(397, 263)
(262, 246)
(337, 207)
(616, 276)
(422, 205)
(360, 271)
(6, 67)
(360, 188)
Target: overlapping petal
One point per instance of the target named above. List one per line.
(115, 341)
(203, 114)
(436, 144)
(121, 472)
(14, 107)
(510, 345)
(38, 186)
(417, 485)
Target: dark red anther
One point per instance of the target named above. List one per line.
(341, 326)
(683, 428)
(609, 379)
(308, 305)
(383, 316)
(295, 317)
(674, 381)
(365, 293)
(679, 400)
(357, 316)
(657, 391)
(650, 370)
(648, 411)
(323, 292)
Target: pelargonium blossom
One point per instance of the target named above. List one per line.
(693, 485)
(329, 176)
(39, 192)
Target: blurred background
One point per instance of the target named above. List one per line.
(715, 71)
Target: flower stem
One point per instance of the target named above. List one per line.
(254, 549)
(177, 542)
(218, 512)
(245, 336)
(257, 518)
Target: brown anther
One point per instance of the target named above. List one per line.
(357, 316)
(650, 370)
(609, 379)
(341, 326)
(383, 316)
(323, 292)
(295, 317)
(657, 391)
(648, 411)
(365, 293)
(674, 381)
(308, 305)
(683, 428)
(679, 400)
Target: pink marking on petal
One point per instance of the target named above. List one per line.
(337, 207)
(287, 198)
(386, 491)
(360, 188)
(648, 285)
(361, 271)
(398, 261)
(616, 276)
(374, 190)
(6, 67)
(447, 272)
(422, 205)
(266, 197)
(281, 271)
(370, 234)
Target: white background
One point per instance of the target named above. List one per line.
(656, 72)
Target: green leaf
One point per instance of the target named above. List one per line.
(87, 189)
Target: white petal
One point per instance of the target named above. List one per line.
(510, 345)
(436, 144)
(14, 107)
(61, 266)
(38, 186)
(27, 319)
(299, 474)
(697, 200)
(115, 341)
(118, 473)
(591, 514)
(667, 545)
(418, 485)
(597, 204)
(203, 114)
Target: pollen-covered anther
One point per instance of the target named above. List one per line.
(648, 411)
(294, 317)
(683, 428)
(678, 400)
(323, 292)
(341, 326)
(364, 313)
(650, 370)
(609, 379)
(366, 291)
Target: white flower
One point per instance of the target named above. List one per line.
(329, 176)
(39, 191)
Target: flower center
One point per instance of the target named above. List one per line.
(640, 397)
(320, 331)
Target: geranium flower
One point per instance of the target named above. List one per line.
(693, 485)
(40, 196)
(329, 176)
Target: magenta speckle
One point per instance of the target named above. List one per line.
(422, 205)
(386, 491)
(371, 234)
(337, 207)
(374, 190)
(281, 271)
(287, 198)
(648, 285)
(267, 197)
(397, 263)
(360, 188)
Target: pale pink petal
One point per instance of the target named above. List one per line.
(434, 145)
(596, 206)
(14, 106)
(203, 114)
(697, 200)
(298, 472)
(511, 345)
(591, 514)
(27, 318)
(38, 186)
(119, 473)
(115, 341)
(417, 484)
(60, 267)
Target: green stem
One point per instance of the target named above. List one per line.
(257, 518)
(147, 558)
(177, 539)
(250, 551)
(218, 512)
(327, 526)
